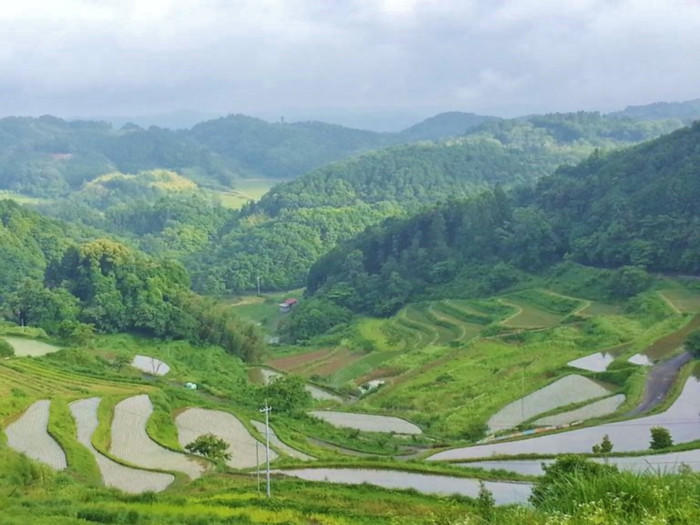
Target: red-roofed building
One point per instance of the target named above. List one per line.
(288, 304)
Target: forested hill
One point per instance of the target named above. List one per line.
(443, 125)
(70, 284)
(634, 209)
(296, 222)
(51, 157)
(687, 111)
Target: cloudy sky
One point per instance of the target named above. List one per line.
(311, 58)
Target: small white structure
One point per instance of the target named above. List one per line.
(191, 386)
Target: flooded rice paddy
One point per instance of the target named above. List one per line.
(596, 409)
(195, 422)
(24, 347)
(367, 422)
(29, 436)
(682, 420)
(565, 391)
(131, 480)
(131, 443)
(150, 365)
(503, 492)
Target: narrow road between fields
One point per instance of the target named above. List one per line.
(659, 382)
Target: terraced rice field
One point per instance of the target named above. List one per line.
(668, 344)
(681, 419)
(150, 365)
(597, 362)
(504, 493)
(40, 379)
(651, 464)
(29, 435)
(367, 422)
(567, 390)
(131, 443)
(24, 347)
(318, 393)
(297, 363)
(683, 300)
(128, 479)
(640, 359)
(596, 409)
(194, 422)
(279, 444)
(528, 316)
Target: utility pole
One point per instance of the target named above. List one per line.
(257, 463)
(267, 410)
(522, 392)
(258, 279)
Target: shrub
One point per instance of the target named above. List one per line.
(692, 343)
(6, 349)
(660, 438)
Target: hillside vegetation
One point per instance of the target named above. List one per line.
(345, 197)
(634, 210)
(71, 287)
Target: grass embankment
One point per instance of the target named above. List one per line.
(81, 463)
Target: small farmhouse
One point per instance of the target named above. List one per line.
(288, 304)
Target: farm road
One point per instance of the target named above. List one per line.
(659, 382)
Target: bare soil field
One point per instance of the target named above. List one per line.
(28, 435)
(131, 480)
(296, 362)
(668, 344)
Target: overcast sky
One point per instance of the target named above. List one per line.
(310, 58)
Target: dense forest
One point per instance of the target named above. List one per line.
(296, 222)
(71, 285)
(50, 157)
(148, 188)
(687, 111)
(633, 210)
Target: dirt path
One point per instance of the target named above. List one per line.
(29, 435)
(131, 480)
(659, 382)
(669, 303)
(131, 443)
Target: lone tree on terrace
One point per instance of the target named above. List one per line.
(209, 446)
(660, 438)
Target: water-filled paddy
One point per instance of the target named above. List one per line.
(150, 365)
(367, 422)
(503, 492)
(24, 347)
(28, 435)
(682, 420)
(565, 391)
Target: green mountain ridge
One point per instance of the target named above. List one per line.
(633, 209)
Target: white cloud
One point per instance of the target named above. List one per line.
(111, 56)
